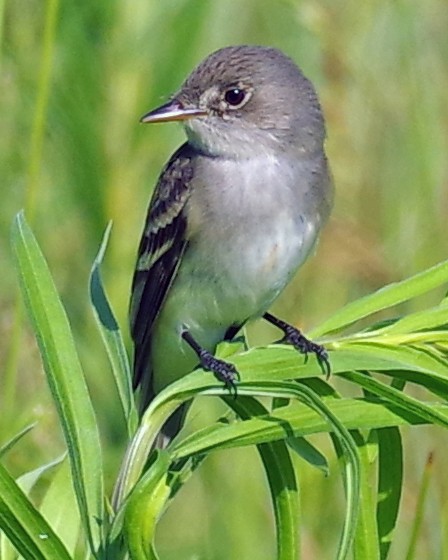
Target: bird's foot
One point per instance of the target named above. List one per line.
(296, 338)
(305, 346)
(225, 372)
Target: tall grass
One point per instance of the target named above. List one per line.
(381, 72)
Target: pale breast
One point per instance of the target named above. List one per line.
(253, 225)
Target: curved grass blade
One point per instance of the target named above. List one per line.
(277, 362)
(144, 507)
(28, 480)
(308, 397)
(282, 482)
(415, 364)
(25, 526)
(412, 323)
(111, 335)
(64, 375)
(386, 297)
(11, 443)
(296, 421)
(410, 404)
(141, 444)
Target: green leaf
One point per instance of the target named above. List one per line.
(410, 404)
(414, 322)
(421, 366)
(58, 507)
(144, 507)
(261, 365)
(366, 538)
(350, 457)
(390, 483)
(296, 421)
(64, 375)
(27, 481)
(386, 297)
(282, 482)
(10, 444)
(112, 338)
(25, 526)
(306, 451)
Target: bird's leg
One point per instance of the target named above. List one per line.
(225, 372)
(294, 336)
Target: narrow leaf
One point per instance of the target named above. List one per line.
(282, 482)
(58, 507)
(390, 484)
(386, 297)
(64, 376)
(366, 540)
(28, 480)
(410, 404)
(309, 453)
(112, 338)
(10, 444)
(144, 507)
(25, 526)
(297, 421)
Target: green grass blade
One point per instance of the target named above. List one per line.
(410, 404)
(58, 507)
(25, 526)
(412, 323)
(366, 538)
(296, 421)
(111, 335)
(309, 453)
(282, 483)
(144, 507)
(331, 421)
(11, 443)
(64, 376)
(418, 365)
(390, 484)
(386, 297)
(28, 480)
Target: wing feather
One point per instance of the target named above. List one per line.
(160, 253)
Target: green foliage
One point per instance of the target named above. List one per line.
(364, 429)
(64, 376)
(75, 78)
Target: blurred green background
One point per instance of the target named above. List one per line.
(73, 154)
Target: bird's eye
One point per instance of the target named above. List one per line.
(235, 96)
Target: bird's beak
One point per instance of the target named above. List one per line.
(172, 111)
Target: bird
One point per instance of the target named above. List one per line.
(235, 212)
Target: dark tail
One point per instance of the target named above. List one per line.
(171, 427)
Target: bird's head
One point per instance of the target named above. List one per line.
(244, 100)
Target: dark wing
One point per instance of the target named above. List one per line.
(160, 252)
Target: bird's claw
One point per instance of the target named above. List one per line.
(225, 372)
(305, 346)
